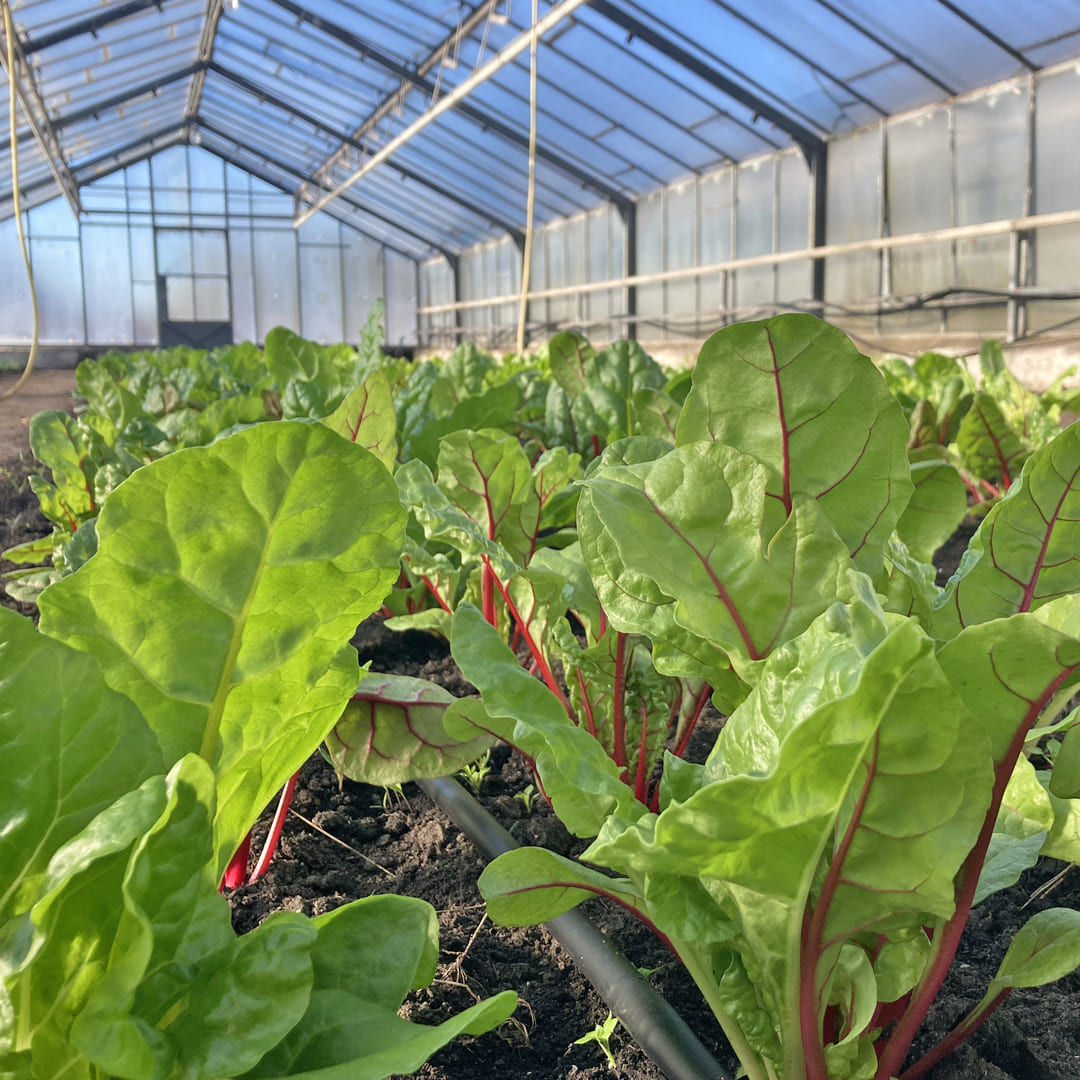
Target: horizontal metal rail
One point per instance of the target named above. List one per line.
(957, 232)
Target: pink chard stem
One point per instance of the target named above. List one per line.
(276, 826)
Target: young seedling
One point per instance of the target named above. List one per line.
(475, 773)
(601, 1035)
(528, 798)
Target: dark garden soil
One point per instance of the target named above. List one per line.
(343, 843)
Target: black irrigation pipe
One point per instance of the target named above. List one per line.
(652, 1023)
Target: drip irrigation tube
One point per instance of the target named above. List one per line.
(653, 1024)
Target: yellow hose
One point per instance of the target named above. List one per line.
(526, 257)
(9, 34)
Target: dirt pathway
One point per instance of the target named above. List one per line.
(45, 389)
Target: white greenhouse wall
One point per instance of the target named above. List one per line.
(225, 245)
(1009, 150)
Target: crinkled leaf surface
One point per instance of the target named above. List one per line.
(1027, 549)
(848, 756)
(700, 524)
(487, 476)
(796, 395)
(988, 445)
(227, 580)
(68, 747)
(52, 958)
(392, 731)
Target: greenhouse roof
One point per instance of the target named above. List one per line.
(633, 94)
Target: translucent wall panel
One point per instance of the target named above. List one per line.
(606, 254)
(537, 279)
(991, 160)
(364, 283)
(650, 260)
(198, 225)
(714, 237)
(853, 212)
(793, 227)
(559, 308)
(242, 281)
(680, 251)
(401, 300)
(107, 280)
(58, 279)
(755, 197)
(921, 197)
(507, 282)
(276, 285)
(16, 315)
(322, 314)
(436, 287)
(1057, 169)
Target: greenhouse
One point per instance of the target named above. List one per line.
(242, 165)
(540, 540)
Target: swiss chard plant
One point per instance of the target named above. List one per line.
(816, 873)
(484, 526)
(177, 680)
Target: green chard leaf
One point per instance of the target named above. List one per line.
(700, 525)
(63, 761)
(938, 505)
(392, 731)
(796, 395)
(989, 447)
(226, 581)
(840, 705)
(581, 781)
(1024, 553)
(366, 417)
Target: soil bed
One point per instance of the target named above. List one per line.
(357, 840)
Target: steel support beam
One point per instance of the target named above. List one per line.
(90, 25)
(292, 170)
(214, 11)
(393, 101)
(819, 170)
(987, 33)
(881, 43)
(42, 128)
(125, 97)
(630, 220)
(807, 140)
(478, 116)
(245, 84)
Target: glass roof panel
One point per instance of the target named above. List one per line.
(633, 93)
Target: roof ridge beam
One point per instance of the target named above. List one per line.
(808, 141)
(214, 10)
(476, 115)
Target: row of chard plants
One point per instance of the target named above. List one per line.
(608, 547)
